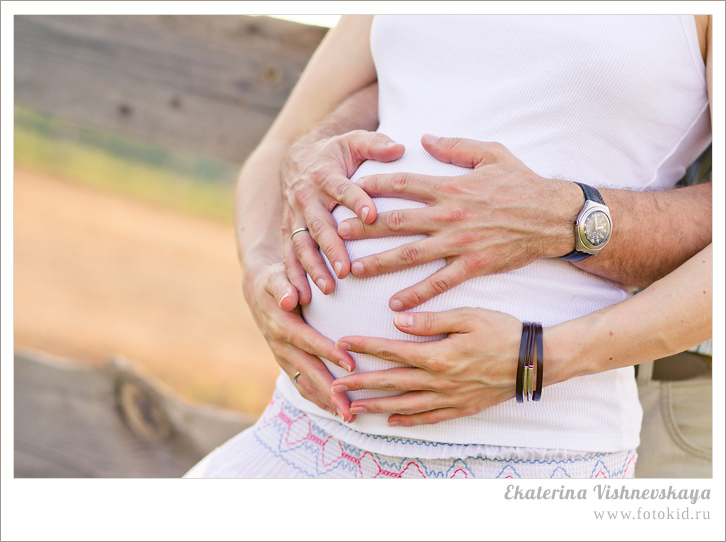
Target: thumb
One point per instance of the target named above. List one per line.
(364, 146)
(458, 151)
(426, 324)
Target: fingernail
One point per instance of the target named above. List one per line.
(321, 284)
(338, 388)
(396, 305)
(394, 423)
(357, 269)
(403, 320)
(364, 213)
(358, 410)
(428, 138)
(283, 299)
(342, 346)
(390, 143)
(344, 229)
(338, 266)
(345, 365)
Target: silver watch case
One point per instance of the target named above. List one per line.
(582, 244)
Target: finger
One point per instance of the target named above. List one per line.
(347, 193)
(315, 381)
(402, 257)
(364, 146)
(437, 283)
(398, 379)
(308, 254)
(410, 186)
(404, 352)
(406, 403)
(308, 391)
(462, 152)
(296, 274)
(282, 290)
(430, 417)
(426, 324)
(323, 229)
(398, 222)
(306, 338)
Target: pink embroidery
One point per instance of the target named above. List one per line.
(300, 429)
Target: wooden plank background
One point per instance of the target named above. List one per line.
(207, 85)
(77, 421)
(210, 85)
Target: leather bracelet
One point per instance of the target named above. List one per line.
(537, 395)
(530, 353)
(523, 347)
(529, 363)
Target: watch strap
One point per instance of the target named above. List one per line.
(591, 193)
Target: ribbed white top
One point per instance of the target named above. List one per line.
(611, 101)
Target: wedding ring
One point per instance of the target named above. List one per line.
(295, 232)
(294, 378)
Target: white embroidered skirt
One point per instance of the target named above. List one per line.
(287, 443)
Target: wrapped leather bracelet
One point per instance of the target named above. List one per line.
(530, 352)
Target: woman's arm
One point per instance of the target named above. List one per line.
(671, 315)
(474, 366)
(340, 66)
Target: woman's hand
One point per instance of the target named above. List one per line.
(295, 345)
(474, 367)
(315, 177)
(498, 217)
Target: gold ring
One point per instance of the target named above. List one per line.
(295, 232)
(294, 378)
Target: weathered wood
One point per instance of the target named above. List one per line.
(77, 421)
(211, 85)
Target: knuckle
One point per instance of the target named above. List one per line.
(277, 331)
(299, 245)
(444, 385)
(439, 284)
(457, 214)
(399, 182)
(436, 364)
(497, 147)
(385, 353)
(300, 194)
(396, 220)
(474, 264)
(374, 265)
(342, 190)
(465, 237)
(428, 320)
(316, 227)
(451, 186)
(409, 254)
(415, 298)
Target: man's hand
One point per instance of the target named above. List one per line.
(474, 367)
(315, 178)
(498, 217)
(295, 345)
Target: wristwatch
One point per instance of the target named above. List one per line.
(593, 226)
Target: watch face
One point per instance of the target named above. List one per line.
(597, 228)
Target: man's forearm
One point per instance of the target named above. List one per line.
(653, 233)
(358, 112)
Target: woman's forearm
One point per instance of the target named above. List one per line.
(671, 315)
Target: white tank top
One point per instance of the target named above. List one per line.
(610, 101)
